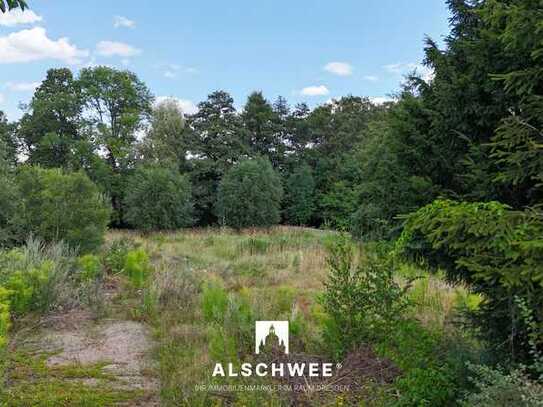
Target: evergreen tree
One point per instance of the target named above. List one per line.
(216, 144)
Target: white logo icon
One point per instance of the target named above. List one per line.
(270, 334)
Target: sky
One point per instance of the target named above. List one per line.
(304, 50)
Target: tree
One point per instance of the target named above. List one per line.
(117, 104)
(336, 128)
(58, 205)
(167, 141)
(8, 143)
(158, 198)
(496, 251)
(260, 125)
(52, 127)
(9, 199)
(216, 145)
(250, 195)
(300, 196)
(11, 4)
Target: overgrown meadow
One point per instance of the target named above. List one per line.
(200, 292)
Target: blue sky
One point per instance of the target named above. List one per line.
(304, 50)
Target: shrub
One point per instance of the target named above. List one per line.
(498, 389)
(300, 196)
(90, 267)
(158, 198)
(361, 297)
(39, 277)
(497, 251)
(62, 206)
(425, 387)
(115, 255)
(250, 195)
(137, 267)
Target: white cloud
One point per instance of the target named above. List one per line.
(120, 21)
(339, 68)
(17, 16)
(112, 48)
(172, 70)
(22, 86)
(424, 72)
(371, 78)
(380, 100)
(320, 90)
(2, 98)
(33, 45)
(186, 106)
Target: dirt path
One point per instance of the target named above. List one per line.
(94, 363)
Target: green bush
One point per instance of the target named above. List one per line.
(137, 267)
(425, 387)
(90, 267)
(63, 206)
(115, 255)
(40, 277)
(300, 196)
(361, 297)
(495, 388)
(158, 198)
(250, 195)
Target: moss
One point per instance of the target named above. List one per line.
(33, 383)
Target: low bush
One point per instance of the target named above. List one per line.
(361, 297)
(495, 388)
(115, 254)
(137, 267)
(90, 267)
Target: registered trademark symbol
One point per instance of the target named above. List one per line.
(338, 366)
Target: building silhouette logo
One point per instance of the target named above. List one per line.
(271, 335)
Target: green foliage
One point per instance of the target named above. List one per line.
(63, 206)
(499, 389)
(425, 387)
(115, 255)
(158, 198)
(90, 267)
(167, 141)
(214, 302)
(250, 195)
(51, 129)
(137, 267)
(217, 142)
(9, 207)
(361, 297)
(299, 196)
(497, 251)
